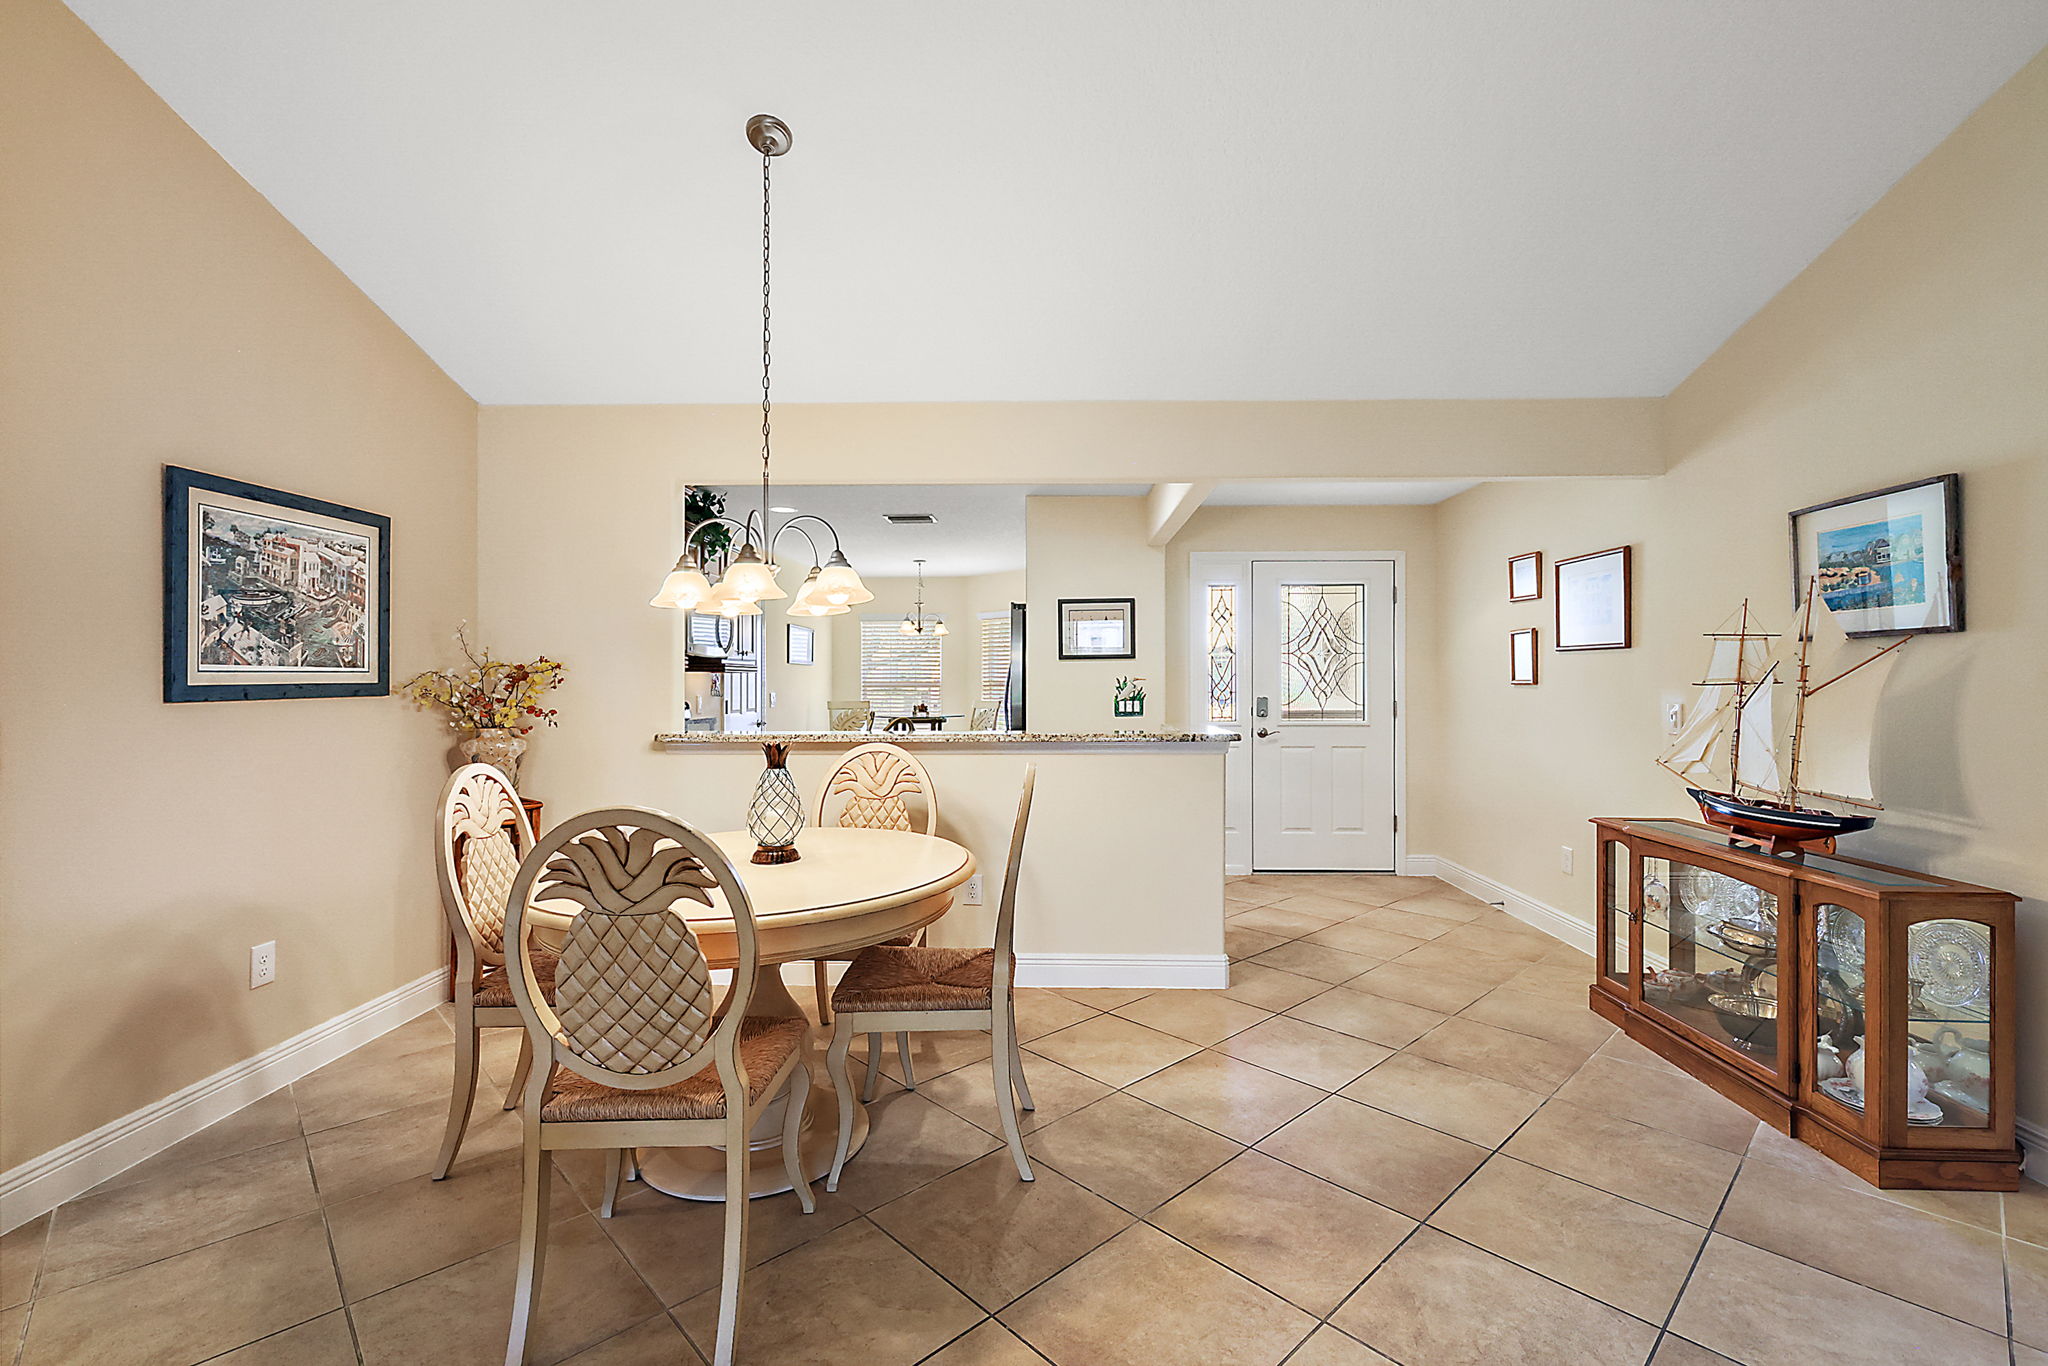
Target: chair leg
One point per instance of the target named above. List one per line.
(1006, 1100)
(465, 1089)
(1017, 1066)
(903, 1053)
(793, 1107)
(632, 1164)
(533, 1246)
(732, 1272)
(824, 992)
(614, 1168)
(520, 1073)
(874, 1080)
(835, 1068)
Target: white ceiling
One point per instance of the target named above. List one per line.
(1074, 199)
(1335, 492)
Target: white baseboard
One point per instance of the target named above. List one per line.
(1559, 925)
(1419, 865)
(43, 1183)
(1198, 970)
(1237, 870)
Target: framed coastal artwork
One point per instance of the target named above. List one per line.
(271, 594)
(1593, 607)
(1097, 628)
(1525, 577)
(1887, 563)
(1522, 657)
(800, 644)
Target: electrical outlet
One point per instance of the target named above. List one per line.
(1564, 859)
(262, 964)
(970, 893)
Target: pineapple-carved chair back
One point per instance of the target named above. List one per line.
(849, 715)
(880, 787)
(483, 832)
(983, 718)
(634, 1005)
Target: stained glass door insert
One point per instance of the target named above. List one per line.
(1322, 652)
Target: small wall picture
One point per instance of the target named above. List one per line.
(1525, 577)
(271, 594)
(800, 644)
(1888, 563)
(1522, 657)
(1097, 628)
(1593, 608)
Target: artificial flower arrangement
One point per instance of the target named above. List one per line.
(491, 694)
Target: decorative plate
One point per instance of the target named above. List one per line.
(1715, 896)
(1952, 960)
(1844, 1090)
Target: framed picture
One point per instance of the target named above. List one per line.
(1888, 563)
(800, 645)
(1097, 628)
(1525, 577)
(1522, 657)
(1593, 600)
(271, 594)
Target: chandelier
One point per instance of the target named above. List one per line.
(832, 587)
(915, 622)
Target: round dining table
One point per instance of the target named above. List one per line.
(849, 888)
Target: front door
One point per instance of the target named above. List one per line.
(1322, 716)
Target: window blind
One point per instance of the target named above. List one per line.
(995, 658)
(897, 671)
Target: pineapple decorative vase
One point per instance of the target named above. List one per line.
(776, 814)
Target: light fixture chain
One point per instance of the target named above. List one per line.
(767, 219)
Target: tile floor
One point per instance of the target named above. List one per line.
(1399, 1136)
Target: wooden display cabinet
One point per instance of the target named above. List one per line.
(1866, 1011)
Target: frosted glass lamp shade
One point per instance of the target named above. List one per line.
(809, 602)
(840, 585)
(684, 588)
(723, 603)
(749, 577)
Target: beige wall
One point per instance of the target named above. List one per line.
(800, 690)
(960, 600)
(1091, 548)
(1914, 346)
(159, 311)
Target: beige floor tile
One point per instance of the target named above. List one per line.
(1143, 1299)
(1482, 968)
(21, 1258)
(1241, 943)
(1237, 1099)
(1643, 1164)
(1331, 1348)
(1309, 1053)
(911, 1141)
(854, 1288)
(13, 1323)
(1393, 1024)
(995, 1237)
(933, 1053)
(676, 1245)
(1277, 920)
(191, 1306)
(1363, 940)
(1112, 1049)
(1041, 1012)
(1298, 1236)
(1943, 1265)
(2027, 1265)
(1103, 998)
(1388, 889)
(1201, 1017)
(1460, 1103)
(1269, 988)
(1979, 1209)
(413, 1227)
(355, 1159)
(1517, 1059)
(1755, 1306)
(464, 1312)
(1410, 924)
(1329, 909)
(389, 1074)
(325, 1341)
(180, 1209)
(1675, 1104)
(1622, 1048)
(1438, 1300)
(271, 1119)
(1621, 1253)
(989, 1344)
(1056, 1091)
(1675, 1351)
(2028, 1356)
(1306, 959)
(1573, 1026)
(652, 1342)
(1444, 903)
(1380, 1156)
(1498, 936)
(2026, 1212)
(1433, 988)
(1134, 1154)
(1567, 985)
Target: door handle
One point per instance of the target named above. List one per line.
(1262, 732)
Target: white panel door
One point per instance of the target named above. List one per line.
(1322, 715)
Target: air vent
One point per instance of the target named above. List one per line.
(909, 518)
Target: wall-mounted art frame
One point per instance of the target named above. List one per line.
(1594, 606)
(270, 594)
(1522, 657)
(1525, 577)
(1098, 628)
(799, 644)
(1889, 562)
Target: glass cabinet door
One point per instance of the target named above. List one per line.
(1948, 1024)
(1615, 914)
(1710, 957)
(1839, 1027)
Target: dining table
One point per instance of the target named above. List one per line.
(847, 889)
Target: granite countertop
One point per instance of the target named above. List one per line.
(678, 740)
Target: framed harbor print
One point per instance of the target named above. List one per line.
(271, 594)
(1097, 628)
(1525, 577)
(1522, 657)
(800, 645)
(1593, 607)
(1888, 563)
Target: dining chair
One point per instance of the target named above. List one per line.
(911, 988)
(483, 831)
(854, 715)
(876, 786)
(634, 1050)
(983, 718)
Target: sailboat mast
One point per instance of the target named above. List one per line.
(1735, 744)
(1799, 696)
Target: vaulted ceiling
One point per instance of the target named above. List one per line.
(1074, 199)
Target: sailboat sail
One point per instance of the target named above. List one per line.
(1757, 760)
(1844, 687)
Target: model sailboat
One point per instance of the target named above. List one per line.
(1755, 766)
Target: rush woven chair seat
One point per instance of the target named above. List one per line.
(767, 1043)
(908, 988)
(494, 992)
